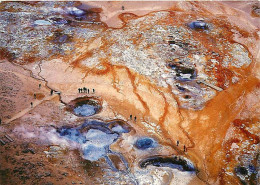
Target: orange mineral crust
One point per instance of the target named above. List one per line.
(129, 92)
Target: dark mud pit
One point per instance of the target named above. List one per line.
(175, 162)
(183, 72)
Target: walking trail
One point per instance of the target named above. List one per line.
(24, 111)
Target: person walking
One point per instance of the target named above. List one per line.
(31, 104)
(0, 121)
(184, 148)
(88, 91)
(93, 90)
(84, 89)
(135, 118)
(178, 143)
(40, 86)
(51, 92)
(79, 90)
(131, 117)
(34, 95)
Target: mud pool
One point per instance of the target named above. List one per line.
(95, 138)
(145, 143)
(175, 162)
(198, 25)
(84, 106)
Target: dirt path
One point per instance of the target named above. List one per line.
(24, 111)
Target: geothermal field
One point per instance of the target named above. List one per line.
(129, 93)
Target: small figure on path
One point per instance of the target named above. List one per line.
(34, 95)
(93, 90)
(40, 86)
(178, 143)
(51, 92)
(123, 8)
(84, 89)
(135, 118)
(88, 91)
(79, 90)
(184, 148)
(0, 121)
(131, 117)
(31, 104)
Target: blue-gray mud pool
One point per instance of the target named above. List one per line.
(85, 106)
(198, 25)
(85, 110)
(145, 143)
(95, 138)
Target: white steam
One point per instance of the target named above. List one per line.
(43, 135)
